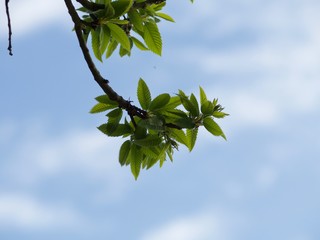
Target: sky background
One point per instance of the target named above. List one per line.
(60, 177)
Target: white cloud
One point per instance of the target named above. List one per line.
(273, 71)
(28, 16)
(24, 212)
(198, 227)
(38, 156)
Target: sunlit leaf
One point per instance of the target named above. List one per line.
(192, 137)
(159, 102)
(213, 127)
(119, 35)
(95, 43)
(143, 94)
(165, 16)
(135, 160)
(152, 37)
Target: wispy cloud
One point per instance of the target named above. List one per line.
(187, 228)
(26, 212)
(37, 156)
(28, 16)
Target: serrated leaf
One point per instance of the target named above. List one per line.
(123, 52)
(192, 137)
(121, 7)
(174, 114)
(195, 104)
(158, 6)
(143, 94)
(188, 105)
(95, 43)
(213, 127)
(153, 123)
(152, 37)
(185, 122)
(165, 16)
(180, 136)
(173, 103)
(151, 152)
(124, 152)
(100, 107)
(120, 130)
(116, 113)
(219, 114)
(104, 39)
(135, 19)
(106, 100)
(109, 10)
(135, 161)
(111, 47)
(207, 108)
(119, 35)
(203, 96)
(159, 102)
(151, 162)
(149, 141)
(139, 44)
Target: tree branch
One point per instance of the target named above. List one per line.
(103, 83)
(9, 28)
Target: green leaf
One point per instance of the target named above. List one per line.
(219, 114)
(119, 35)
(152, 37)
(114, 129)
(151, 152)
(143, 94)
(124, 152)
(121, 7)
(153, 123)
(159, 102)
(135, 19)
(213, 127)
(139, 44)
(207, 108)
(109, 10)
(106, 100)
(185, 122)
(174, 114)
(165, 16)
(140, 132)
(173, 103)
(203, 97)
(101, 107)
(195, 104)
(104, 39)
(149, 141)
(111, 47)
(135, 160)
(116, 113)
(187, 104)
(95, 43)
(179, 135)
(192, 137)
(123, 52)
(120, 130)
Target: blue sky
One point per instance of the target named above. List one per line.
(60, 177)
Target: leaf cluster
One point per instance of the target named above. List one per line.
(123, 24)
(170, 121)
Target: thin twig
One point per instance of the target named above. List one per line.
(9, 28)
